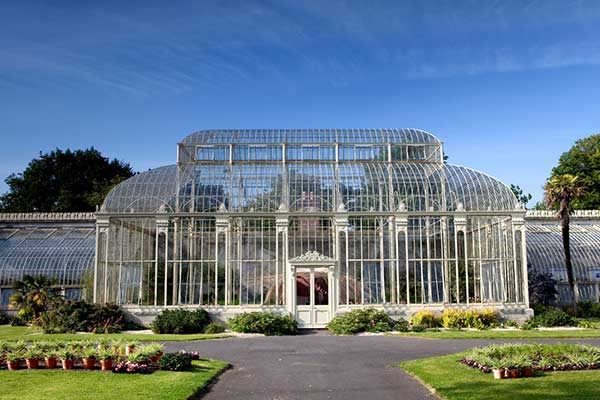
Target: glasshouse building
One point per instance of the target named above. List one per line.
(310, 222)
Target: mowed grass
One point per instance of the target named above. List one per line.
(78, 384)
(505, 334)
(453, 380)
(8, 332)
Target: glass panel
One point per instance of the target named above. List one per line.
(321, 289)
(303, 288)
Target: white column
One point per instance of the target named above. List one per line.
(281, 224)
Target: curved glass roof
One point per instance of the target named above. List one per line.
(61, 252)
(545, 250)
(360, 186)
(246, 136)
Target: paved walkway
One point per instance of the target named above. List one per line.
(320, 366)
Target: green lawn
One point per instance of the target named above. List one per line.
(453, 380)
(8, 332)
(59, 384)
(516, 334)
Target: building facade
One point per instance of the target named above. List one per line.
(308, 222)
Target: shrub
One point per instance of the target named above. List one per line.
(401, 325)
(267, 323)
(542, 288)
(364, 320)
(180, 321)
(5, 319)
(588, 309)
(175, 362)
(552, 317)
(213, 328)
(478, 319)
(80, 316)
(426, 319)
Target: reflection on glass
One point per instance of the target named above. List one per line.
(321, 289)
(303, 288)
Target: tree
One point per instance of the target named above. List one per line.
(560, 191)
(32, 298)
(542, 288)
(521, 197)
(583, 160)
(62, 181)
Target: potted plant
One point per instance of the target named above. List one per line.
(154, 351)
(88, 357)
(32, 358)
(498, 368)
(103, 344)
(514, 370)
(106, 359)
(50, 359)
(130, 347)
(526, 367)
(67, 358)
(13, 360)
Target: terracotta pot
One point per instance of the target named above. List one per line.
(156, 358)
(514, 373)
(13, 365)
(527, 372)
(68, 364)
(89, 363)
(32, 363)
(106, 365)
(498, 373)
(50, 362)
(129, 349)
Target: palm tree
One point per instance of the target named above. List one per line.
(32, 297)
(560, 190)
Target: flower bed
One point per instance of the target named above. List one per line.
(106, 355)
(521, 360)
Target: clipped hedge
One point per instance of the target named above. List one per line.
(176, 362)
(477, 319)
(181, 321)
(588, 309)
(214, 327)
(426, 319)
(365, 320)
(267, 323)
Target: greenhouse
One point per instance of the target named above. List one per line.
(311, 222)
(308, 222)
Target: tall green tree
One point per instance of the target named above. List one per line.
(583, 160)
(62, 181)
(521, 196)
(560, 191)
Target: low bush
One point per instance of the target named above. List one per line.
(426, 319)
(588, 309)
(181, 321)
(5, 319)
(551, 317)
(478, 319)
(365, 320)
(175, 362)
(267, 323)
(70, 316)
(213, 328)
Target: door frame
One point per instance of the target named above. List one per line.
(329, 266)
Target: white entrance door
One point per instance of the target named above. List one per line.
(312, 297)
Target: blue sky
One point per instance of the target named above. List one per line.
(507, 85)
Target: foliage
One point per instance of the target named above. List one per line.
(213, 328)
(5, 319)
(63, 181)
(522, 198)
(33, 295)
(175, 362)
(79, 316)
(426, 319)
(546, 357)
(181, 321)
(583, 160)
(560, 191)
(131, 367)
(478, 319)
(270, 324)
(552, 317)
(363, 320)
(542, 288)
(588, 309)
